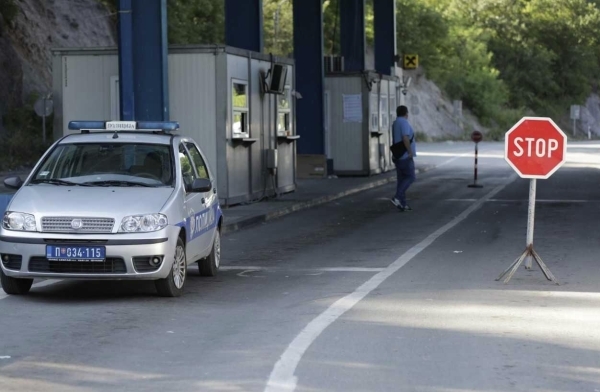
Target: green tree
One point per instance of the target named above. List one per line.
(196, 21)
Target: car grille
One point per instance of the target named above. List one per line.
(12, 262)
(89, 225)
(112, 265)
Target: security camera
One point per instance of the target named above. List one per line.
(404, 91)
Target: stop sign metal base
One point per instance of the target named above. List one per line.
(529, 254)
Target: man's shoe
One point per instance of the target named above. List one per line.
(395, 202)
(405, 208)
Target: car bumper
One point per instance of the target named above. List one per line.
(23, 255)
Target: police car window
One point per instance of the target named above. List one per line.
(199, 163)
(187, 171)
(109, 164)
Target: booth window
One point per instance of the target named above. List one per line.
(392, 108)
(198, 161)
(384, 113)
(284, 113)
(374, 113)
(239, 104)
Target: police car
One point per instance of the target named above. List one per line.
(118, 200)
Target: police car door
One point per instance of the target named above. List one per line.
(193, 206)
(211, 201)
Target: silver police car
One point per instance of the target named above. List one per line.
(118, 200)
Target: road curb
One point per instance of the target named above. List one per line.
(262, 218)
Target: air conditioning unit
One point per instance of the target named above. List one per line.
(334, 64)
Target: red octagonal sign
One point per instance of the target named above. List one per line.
(535, 147)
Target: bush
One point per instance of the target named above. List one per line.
(22, 144)
(9, 10)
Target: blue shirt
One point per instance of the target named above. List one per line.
(402, 128)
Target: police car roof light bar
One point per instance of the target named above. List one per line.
(165, 126)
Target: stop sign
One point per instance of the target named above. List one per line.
(535, 147)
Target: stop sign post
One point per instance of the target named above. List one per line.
(535, 148)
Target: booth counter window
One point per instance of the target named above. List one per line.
(239, 104)
(392, 109)
(384, 113)
(283, 113)
(374, 109)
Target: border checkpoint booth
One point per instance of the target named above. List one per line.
(237, 104)
(360, 108)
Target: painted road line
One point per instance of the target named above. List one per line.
(525, 201)
(331, 269)
(449, 161)
(43, 283)
(451, 154)
(282, 377)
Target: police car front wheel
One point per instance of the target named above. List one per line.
(210, 265)
(172, 285)
(15, 286)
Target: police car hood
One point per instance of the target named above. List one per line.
(100, 202)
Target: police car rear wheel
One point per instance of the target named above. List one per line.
(210, 265)
(15, 286)
(172, 285)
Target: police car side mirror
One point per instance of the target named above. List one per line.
(14, 182)
(201, 185)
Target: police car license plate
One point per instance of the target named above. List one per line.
(76, 253)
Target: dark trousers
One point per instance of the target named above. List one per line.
(405, 172)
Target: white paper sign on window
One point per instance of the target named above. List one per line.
(353, 108)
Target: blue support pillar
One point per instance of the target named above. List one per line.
(143, 60)
(126, 82)
(352, 34)
(308, 56)
(244, 24)
(385, 35)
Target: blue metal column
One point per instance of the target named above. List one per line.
(385, 35)
(143, 60)
(308, 57)
(352, 34)
(126, 83)
(244, 24)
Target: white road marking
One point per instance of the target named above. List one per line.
(330, 269)
(43, 283)
(47, 282)
(525, 201)
(450, 154)
(449, 161)
(282, 377)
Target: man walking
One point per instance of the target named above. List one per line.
(404, 139)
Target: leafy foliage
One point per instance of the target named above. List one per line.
(506, 57)
(21, 144)
(8, 10)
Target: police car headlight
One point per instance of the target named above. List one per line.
(18, 221)
(143, 223)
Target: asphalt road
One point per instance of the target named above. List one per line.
(349, 296)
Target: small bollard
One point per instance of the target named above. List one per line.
(476, 137)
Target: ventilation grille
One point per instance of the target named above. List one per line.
(88, 225)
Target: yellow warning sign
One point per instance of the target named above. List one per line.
(411, 61)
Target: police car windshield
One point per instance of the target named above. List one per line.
(102, 164)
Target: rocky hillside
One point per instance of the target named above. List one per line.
(433, 115)
(37, 26)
